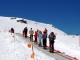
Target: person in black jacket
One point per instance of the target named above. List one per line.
(12, 30)
(25, 32)
(52, 37)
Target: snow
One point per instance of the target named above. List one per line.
(18, 50)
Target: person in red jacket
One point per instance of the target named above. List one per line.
(45, 30)
(35, 36)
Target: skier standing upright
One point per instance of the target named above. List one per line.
(31, 32)
(12, 30)
(52, 38)
(25, 31)
(44, 36)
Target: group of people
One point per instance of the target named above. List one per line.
(41, 38)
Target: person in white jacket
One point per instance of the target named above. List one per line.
(31, 32)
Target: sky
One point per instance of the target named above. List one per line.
(10, 49)
(63, 14)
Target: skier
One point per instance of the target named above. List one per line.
(45, 30)
(40, 38)
(25, 32)
(35, 36)
(52, 37)
(31, 32)
(12, 30)
(44, 36)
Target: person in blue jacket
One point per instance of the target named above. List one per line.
(40, 38)
(44, 36)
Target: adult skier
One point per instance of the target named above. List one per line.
(52, 38)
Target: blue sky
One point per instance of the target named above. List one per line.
(64, 14)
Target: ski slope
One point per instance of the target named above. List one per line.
(16, 49)
(68, 44)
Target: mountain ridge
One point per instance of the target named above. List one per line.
(48, 26)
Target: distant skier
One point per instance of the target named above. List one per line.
(45, 30)
(31, 32)
(25, 32)
(52, 37)
(40, 38)
(12, 30)
(44, 36)
(35, 36)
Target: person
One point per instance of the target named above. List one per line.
(35, 36)
(44, 36)
(52, 38)
(31, 32)
(40, 38)
(25, 32)
(45, 30)
(12, 30)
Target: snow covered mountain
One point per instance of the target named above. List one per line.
(65, 43)
(12, 22)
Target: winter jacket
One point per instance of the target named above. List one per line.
(39, 36)
(44, 36)
(45, 30)
(25, 30)
(52, 38)
(35, 35)
(31, 32)
(12, 30)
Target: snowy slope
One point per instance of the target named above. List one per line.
(16, 49)
(8, 23)
(65, 43)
